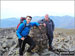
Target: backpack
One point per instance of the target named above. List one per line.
(21, 21)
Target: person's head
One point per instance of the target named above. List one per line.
(46, 17)
(28, 19)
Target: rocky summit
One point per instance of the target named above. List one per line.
(63, 40)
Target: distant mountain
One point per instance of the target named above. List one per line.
(9, 22)
(64, 21)
(59, 21)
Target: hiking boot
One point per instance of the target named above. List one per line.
(20, 55)
(50, 48)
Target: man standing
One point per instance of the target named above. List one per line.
(22, 33)
(48, 23)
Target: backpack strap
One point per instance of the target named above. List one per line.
(23, 28)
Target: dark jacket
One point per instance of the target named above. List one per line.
(49, 25)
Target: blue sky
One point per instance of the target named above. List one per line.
(36, 8)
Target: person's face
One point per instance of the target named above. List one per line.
(46, 17)
(28, 19)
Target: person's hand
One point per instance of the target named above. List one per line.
(39, 27)
(44, 24)
(22, 38)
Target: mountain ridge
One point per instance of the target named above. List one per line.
(59, 21)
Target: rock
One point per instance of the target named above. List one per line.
(49, 53)
(28, 54)
(4, 45)
(8, 42)
(0, 53)
(72, 48)
(11, 49)
(1, 48)
(2, 37)
(9, 37)
(40, 38)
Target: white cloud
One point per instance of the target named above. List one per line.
(36, 8)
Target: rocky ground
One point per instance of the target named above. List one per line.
(63, 39)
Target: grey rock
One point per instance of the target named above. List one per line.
(4, 45)
(8, 40)
(9, 37)
(1, 48)
(28, 54)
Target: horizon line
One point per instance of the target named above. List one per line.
(35, 16)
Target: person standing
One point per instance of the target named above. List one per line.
(23, 37)
(49, 24)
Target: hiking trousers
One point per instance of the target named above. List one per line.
(50, 38)
(22, 44)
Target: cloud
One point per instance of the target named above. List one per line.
(36, 8)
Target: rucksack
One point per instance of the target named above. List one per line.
(21, 21)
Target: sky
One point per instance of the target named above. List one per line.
(36, 8)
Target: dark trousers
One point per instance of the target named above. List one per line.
(50, 37)
(22, 43)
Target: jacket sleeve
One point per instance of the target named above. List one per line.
(19, 30)
(53, 25)
(35, 24)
